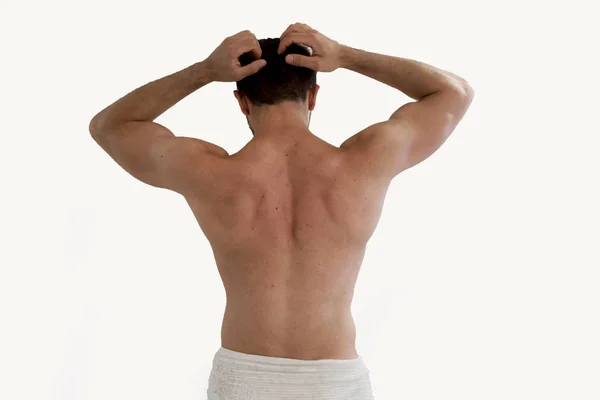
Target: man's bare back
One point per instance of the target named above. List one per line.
(288, 216)
(289, 226)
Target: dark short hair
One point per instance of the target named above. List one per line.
(278, 80)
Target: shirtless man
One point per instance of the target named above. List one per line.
(289, 215)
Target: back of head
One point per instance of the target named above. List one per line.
(278, 80)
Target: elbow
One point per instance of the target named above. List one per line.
(468, 90)
(464, 90)
(460, 85)
(97, 125)
(94, 126)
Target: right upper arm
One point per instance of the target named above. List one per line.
(413, 133)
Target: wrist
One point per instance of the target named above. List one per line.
(345, 56)
(201, 74)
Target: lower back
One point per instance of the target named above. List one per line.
(311, 331)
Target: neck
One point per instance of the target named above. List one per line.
(283, 120)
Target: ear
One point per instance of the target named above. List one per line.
(243, 102)
(312, 97)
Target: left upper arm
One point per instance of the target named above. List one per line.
(151, 153)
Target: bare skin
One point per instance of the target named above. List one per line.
(289, 215)
(288, 224)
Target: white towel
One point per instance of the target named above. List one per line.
(240, 376)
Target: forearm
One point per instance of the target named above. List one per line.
(413, 78)
(148, 102)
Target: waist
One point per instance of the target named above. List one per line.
(295, 334)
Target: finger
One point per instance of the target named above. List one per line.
(298, 38)
(248, 46)
(305, 26)
(247, 36)
(250, 69)
(302, 61)
(294, 28)
(305, 39)
(291, 29)
(256, 50)
(236, 38)
(242, 34)
(300, 27)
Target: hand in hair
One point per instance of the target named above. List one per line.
(223, 65)
(325, 51)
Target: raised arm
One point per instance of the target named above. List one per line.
(414, 131)
(152, 153)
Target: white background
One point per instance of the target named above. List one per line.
(481, 281)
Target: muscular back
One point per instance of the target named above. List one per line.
(288, 217)
(288, 225)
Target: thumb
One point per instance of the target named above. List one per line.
(251, 68)
(301, 61)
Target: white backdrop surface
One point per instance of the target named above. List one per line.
(481, 281)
